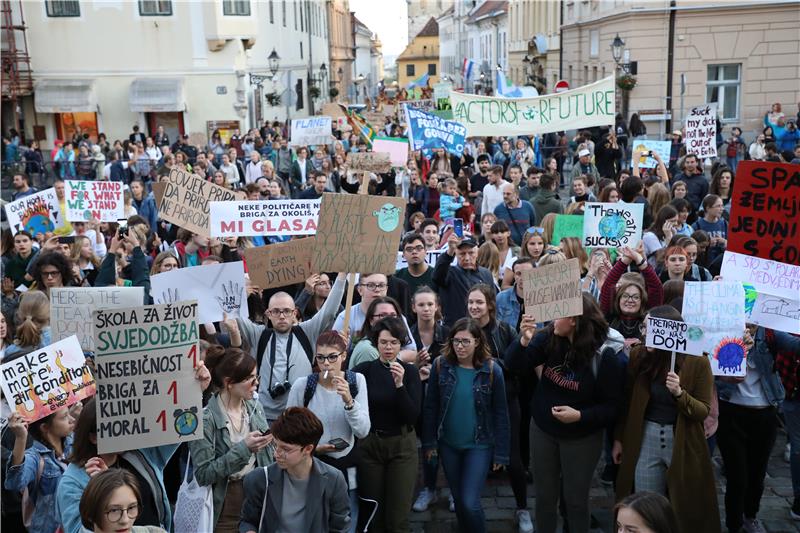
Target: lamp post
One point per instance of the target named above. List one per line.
(619, 53)
(273, 62)
(358, 82)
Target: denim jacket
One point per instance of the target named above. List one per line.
(508, 308)
(18, 477)
(491, 408)
(764, 361)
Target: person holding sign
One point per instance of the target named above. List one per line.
(660, 443)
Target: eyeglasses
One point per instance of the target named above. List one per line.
(631, 297)
(381, 316)
(50, 273)
(390, 342)
(250, 379)
(115, 515)
(280, 312)
(331, 357)
(412, 249)
(462, 342)
(283, 452)
(534, 229)
(374, 286)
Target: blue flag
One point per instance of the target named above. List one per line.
(427, 132)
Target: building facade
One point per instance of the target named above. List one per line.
(534, 43)
(486, 28)
(421, 11)
(744, 55)
(449, 62)
(421, 56)
(340, 45)
(363, 84)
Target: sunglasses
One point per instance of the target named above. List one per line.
(535, 230)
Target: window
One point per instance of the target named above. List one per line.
(723, 85)
(301, 49)
(155, 8)
(302, 18)
(271, 12)
(594, 43)
(283, 6)
(295, 14)
(594, 74)
(410, 70)
(432, 69)
(239, 8)
(63, 8)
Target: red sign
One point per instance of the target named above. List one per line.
(562, 86)
(765, 211)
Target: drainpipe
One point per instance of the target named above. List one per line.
(670, 62)
(560, 42)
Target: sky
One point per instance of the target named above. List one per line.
(387, 18)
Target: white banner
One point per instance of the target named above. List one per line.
(771, 311)
(766, 276)
(98, 200)
(264, 217)
(701, 131)
(674, 336)
(312, 130)
(583, 107)
(612, 225)
(38, 213)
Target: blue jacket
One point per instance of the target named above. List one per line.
(24, 475)
(491, 408)
(519, 218)
(75, 479)
(146, 207)
(508, 307)
(788, 140)
(764, 360)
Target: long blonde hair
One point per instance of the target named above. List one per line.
(75, 251)
(33, 315)
(548, 224)
(489, 258)
(657, 196)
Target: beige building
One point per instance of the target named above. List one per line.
(340, 40)
(745, 55)
(534, 43)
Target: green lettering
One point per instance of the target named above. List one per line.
(564, 112)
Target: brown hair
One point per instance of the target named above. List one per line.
(83, 448)
(228, 364)
(297, 425)
(160, 258)
(482, 351)
(99, 491)
(654, 510)
(33, 315)
(332, 339)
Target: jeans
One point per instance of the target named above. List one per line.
(466, 472)
(354, 504)
(791, 416)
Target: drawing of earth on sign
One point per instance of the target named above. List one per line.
(612, 226)
(694, 333)
(729, 354)
(37, 221)
(388, 217)
(186, 421)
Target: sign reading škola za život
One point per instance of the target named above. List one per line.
(264, 218)
(146, 391)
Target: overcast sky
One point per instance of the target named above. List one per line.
(387, 18)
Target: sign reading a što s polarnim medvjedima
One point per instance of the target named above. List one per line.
(583, 107)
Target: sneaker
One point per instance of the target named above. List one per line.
(795, 509)
(787, 452)
(452, 505)
(426, 496)
(752, 525)
(524, 521)
(607, 477)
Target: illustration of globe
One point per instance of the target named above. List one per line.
(612, 226)
(38, 223)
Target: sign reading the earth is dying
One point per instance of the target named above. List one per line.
(607, 225)
(674, 336)
(37, 214)
(94, 200)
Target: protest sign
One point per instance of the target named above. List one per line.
(662, 148)
(333, 110)
(37, 214)
(311, 130)
(388, 110)
(358, 233)
(771, 310)
(718, 308)
(765, 211)
(701, 131)
(183, 198)
(431, 256)
(580, 108)
(217, 288)
(376, 162)
(280, 264)
(396, 148)
(766, 276)
(426, 105)
(567, 226)
(264, 217)
(376, 119)
(146, 392)
(674, 336)
(427, 131)
(98, 200)
(47, 379)
(612, 225)
(553, 291)
(71, 309)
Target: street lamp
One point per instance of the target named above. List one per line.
(274, 61)
(617, 45)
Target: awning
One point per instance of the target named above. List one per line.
(64, 96)
(152, 95)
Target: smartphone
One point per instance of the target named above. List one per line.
(650, 153)
(68, 239)
(458, 227)
(265, 433)
(339, 444)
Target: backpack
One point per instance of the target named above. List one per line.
(313, 379)
(297, 331)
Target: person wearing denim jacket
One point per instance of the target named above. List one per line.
(471, 438)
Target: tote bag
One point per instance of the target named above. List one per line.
(194, 510)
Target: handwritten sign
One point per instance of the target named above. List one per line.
(431, 256)
(281, 264)
(718, 308)
(580, 108)
(673, 336)
(612, 225)
(765, 211)
(701, 131)
(662, 148)
(146, 392)
(768, 277)
(219, 289)
(396, 148)
(311, 130)
(772, 311)
(427, 132)
(376, 162)
(37, 214)
(71, 309)
(183, 199)
(375, 119)
(358, 233)
(333, 110)
(98, 200)
(264, 217)
(567, 226)
(553, 291)
(45, 380)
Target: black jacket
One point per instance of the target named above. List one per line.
(454, 283)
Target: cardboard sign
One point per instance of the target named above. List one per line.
(431, 256)
(37, 214)
(580, 108)
(765, 211)
(183, 198)
(281, 264)
(673, 336)
(311, 130)
(358, 233)
(219, 289)
(46, 380)
(765, 276)
(375, 119)
(771, 311)
(264, 217)
(718, 308)
(376, 162)
(567, 226)
(388, 110)
(662, 148)
(396, 148)
(701, 131)
(553, 291)
(333, 110)
(146, 392)
(612, 225)
(98, 200)
(71, 309)
(427, 132)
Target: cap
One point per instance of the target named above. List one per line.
(584, 153)
(469, 241)
(678, 133)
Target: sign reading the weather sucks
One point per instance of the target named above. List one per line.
(146, 391)
(612, 225)
(264, 218)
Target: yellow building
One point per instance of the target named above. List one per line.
(420, 56)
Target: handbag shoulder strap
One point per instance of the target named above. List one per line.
(264, 504)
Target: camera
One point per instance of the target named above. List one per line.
(280, 389)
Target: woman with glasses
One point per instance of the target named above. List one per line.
(112, 502)
(316, 291)
(466, 419)
(234, 440)
(379, 308)
(339, 399)
(387, 469)
(52, 269)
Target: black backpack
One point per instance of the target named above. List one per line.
(313, 379)
(297, 331)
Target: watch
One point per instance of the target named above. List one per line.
(350, 406)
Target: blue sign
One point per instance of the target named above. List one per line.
(427, 132)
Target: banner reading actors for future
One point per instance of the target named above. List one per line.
(264, 217)
(583, 107)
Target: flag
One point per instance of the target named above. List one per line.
(359, 125)
(422, 81)
(506, 89)
(466, 70)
